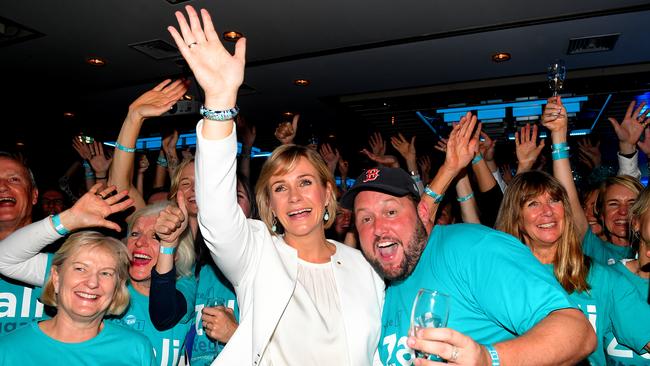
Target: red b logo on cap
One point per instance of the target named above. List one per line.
(371, 175)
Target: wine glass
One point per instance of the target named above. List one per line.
(430, 310)
(556, 73)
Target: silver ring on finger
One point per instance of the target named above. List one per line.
(192, 45)
(454, 354)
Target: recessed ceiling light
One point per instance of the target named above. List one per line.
(68, 114)
(501, 57)
(301, 82)
(96, 61)
(232, 36)
(20, 144)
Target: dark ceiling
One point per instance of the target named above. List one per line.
(368, 61)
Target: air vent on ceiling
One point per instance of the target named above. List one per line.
(592, 44)
(12, 32)
(156, 49)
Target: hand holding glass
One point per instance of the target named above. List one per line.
(430, 310)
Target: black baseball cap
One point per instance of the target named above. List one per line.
(393, 181)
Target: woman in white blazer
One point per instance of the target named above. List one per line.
(304, 300)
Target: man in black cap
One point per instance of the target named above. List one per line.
(506, 308)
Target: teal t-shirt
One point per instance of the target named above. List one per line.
(212, 285)
(618, 354)
(602, 251)
(168, 345)
(609, 306)
(114, 345)
(19, 304)
(498, 289)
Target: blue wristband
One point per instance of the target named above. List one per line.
(560, 154)
(494, 356)
(58, 226)
(124, 148)
(167, 250)
(476, 159)
(560, 146)
(437, 198)
(465, 198)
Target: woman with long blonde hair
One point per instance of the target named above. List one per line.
(538, 210)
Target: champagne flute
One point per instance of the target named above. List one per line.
(556, 73)
(430, 310)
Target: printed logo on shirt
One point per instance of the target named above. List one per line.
(16, 311)
(621, 352)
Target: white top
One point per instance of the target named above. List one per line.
(313, 316)
(264, 270)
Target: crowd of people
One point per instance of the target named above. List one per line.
(203, 269)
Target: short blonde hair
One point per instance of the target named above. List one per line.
(283, 160)
(185, 255)
(91, 240)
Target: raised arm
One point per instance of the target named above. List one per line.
(20, 256)
(526, 147)
(152, 103)
(555, 119)
(629, 132)
(461, 147)
(227, 233)
(167, 305)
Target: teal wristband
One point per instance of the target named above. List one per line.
(167, 250)
(560, 146)
(476, 159)
(58, 226)
(465, 198)
(124, 148)
(437, 198)
(494, 356)
(560, 154)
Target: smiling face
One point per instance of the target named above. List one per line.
(618, 200)
(85, 284)
(186, 184)
(298, 199)
(588, 207)
(143, 248)
(542, 220)
(17, 196)
(391, 234)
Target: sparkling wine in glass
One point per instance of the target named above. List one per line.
(556, 73)
(430, 310)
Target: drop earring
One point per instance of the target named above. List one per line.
(274, 228)
(326, 216)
